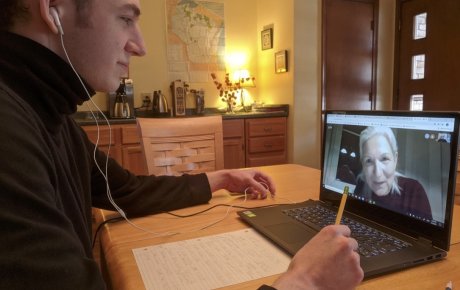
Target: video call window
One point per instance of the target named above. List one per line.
(421, 168)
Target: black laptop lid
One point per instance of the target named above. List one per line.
(400, 168)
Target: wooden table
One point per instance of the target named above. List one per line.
(294, 183)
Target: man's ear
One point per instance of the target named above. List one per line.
(47, 17)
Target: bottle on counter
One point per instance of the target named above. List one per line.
(199, 97)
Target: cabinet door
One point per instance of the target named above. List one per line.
(133, 157)
(134, 160)
(233, 135)
(105, 138)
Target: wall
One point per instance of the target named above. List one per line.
(385, 59)
(306, 112)
(296, 25)
(297, 28)
(277, 88)
(149, 73)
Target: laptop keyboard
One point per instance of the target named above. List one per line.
(371, 242)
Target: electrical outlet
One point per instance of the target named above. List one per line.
(146, 99)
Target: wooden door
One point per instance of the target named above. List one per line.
(349, 54)
(427, 67)
(233, 141)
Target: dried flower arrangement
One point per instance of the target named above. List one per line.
(228, 90)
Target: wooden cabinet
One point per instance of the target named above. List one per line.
(247, 142)
(265, 141)
(254, 142)
(105, 138)
(125, 145)
(233, 133)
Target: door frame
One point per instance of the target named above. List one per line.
(397, 49)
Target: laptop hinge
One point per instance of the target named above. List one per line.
(425, 242)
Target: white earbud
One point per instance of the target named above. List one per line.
(57, 21)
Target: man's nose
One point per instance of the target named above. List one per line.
(136, 46)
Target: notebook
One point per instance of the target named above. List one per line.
(401, 180)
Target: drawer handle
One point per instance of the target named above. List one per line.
(268, 129)
(268, 145)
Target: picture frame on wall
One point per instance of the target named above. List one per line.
(281, 61)
(267, 38)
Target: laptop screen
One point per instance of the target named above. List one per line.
(397, 162)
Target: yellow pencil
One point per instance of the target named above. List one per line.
(342, 205)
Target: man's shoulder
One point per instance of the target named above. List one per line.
(17, 117)
(9, 98)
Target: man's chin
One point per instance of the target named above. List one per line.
(108, 87)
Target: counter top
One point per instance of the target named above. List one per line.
(85, 118)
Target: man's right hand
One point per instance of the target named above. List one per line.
(328, 261)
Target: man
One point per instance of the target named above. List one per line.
(48, 176)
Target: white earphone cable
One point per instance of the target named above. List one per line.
(105, 171)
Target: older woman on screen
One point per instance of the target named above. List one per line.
(381, 183)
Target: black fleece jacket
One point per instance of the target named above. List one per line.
(48, 178)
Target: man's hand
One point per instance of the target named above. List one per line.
(328, 261)
(257, 183)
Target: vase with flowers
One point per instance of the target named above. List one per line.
(229, 91)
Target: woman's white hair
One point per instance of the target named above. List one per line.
(388, 134)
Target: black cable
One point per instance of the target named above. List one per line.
(112, 220)
(221, 204)
(117, 219)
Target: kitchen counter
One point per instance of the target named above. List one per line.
(267, 111)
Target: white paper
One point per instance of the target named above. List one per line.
(210, 262)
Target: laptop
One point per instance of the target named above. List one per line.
(404, 200)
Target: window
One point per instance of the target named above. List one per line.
(420, 26)
(416, 102)
(418, 67)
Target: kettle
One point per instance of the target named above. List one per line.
(121, 107)
(159, 104)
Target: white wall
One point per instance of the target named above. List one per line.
(306, 112)
(385, 60)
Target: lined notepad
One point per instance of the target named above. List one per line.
(210, 262)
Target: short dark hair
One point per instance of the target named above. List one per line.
(12, 10)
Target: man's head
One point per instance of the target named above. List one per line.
(99, 36)
(17, 10)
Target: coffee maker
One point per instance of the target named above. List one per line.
(121, 102)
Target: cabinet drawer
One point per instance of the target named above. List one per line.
(266, 127)
(130, 135)
(233, 128)
(266, 144)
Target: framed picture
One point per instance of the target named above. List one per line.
(281, 61)
(267, 38)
